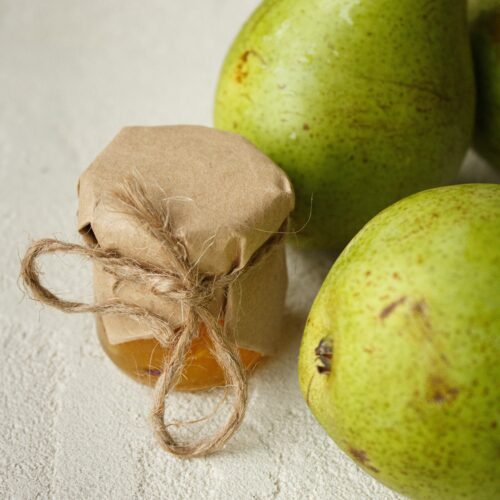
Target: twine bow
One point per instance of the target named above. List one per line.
(179, 282)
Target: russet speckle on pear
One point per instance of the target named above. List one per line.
(400, 356)
(361, 102)
(484, 18)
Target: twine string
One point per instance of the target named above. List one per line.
(177, 282)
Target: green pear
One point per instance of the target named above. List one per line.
(400, 357)
(484, 17)
(360, 102)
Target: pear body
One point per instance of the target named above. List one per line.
(361, 102)
(399, 360)
(484, 16)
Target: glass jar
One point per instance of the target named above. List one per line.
(143, 359)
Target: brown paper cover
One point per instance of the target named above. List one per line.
(225, 200)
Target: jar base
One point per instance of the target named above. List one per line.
(142, 360)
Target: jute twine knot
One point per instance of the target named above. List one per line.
(179, 282)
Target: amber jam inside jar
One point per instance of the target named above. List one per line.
(143, 359)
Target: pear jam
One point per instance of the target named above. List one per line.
(143, 360)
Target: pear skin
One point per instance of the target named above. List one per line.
(361, 102)
(485, 36)
(400, 356)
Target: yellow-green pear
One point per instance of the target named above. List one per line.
(361, 102)
(484, 17)
(400, 360)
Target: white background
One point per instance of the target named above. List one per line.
(71, 426)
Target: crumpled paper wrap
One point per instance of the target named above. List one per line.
(225, 200)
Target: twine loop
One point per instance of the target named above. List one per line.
(177, 282)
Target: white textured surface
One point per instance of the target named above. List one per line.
(71, 425)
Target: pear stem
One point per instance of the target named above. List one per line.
(324, 354)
